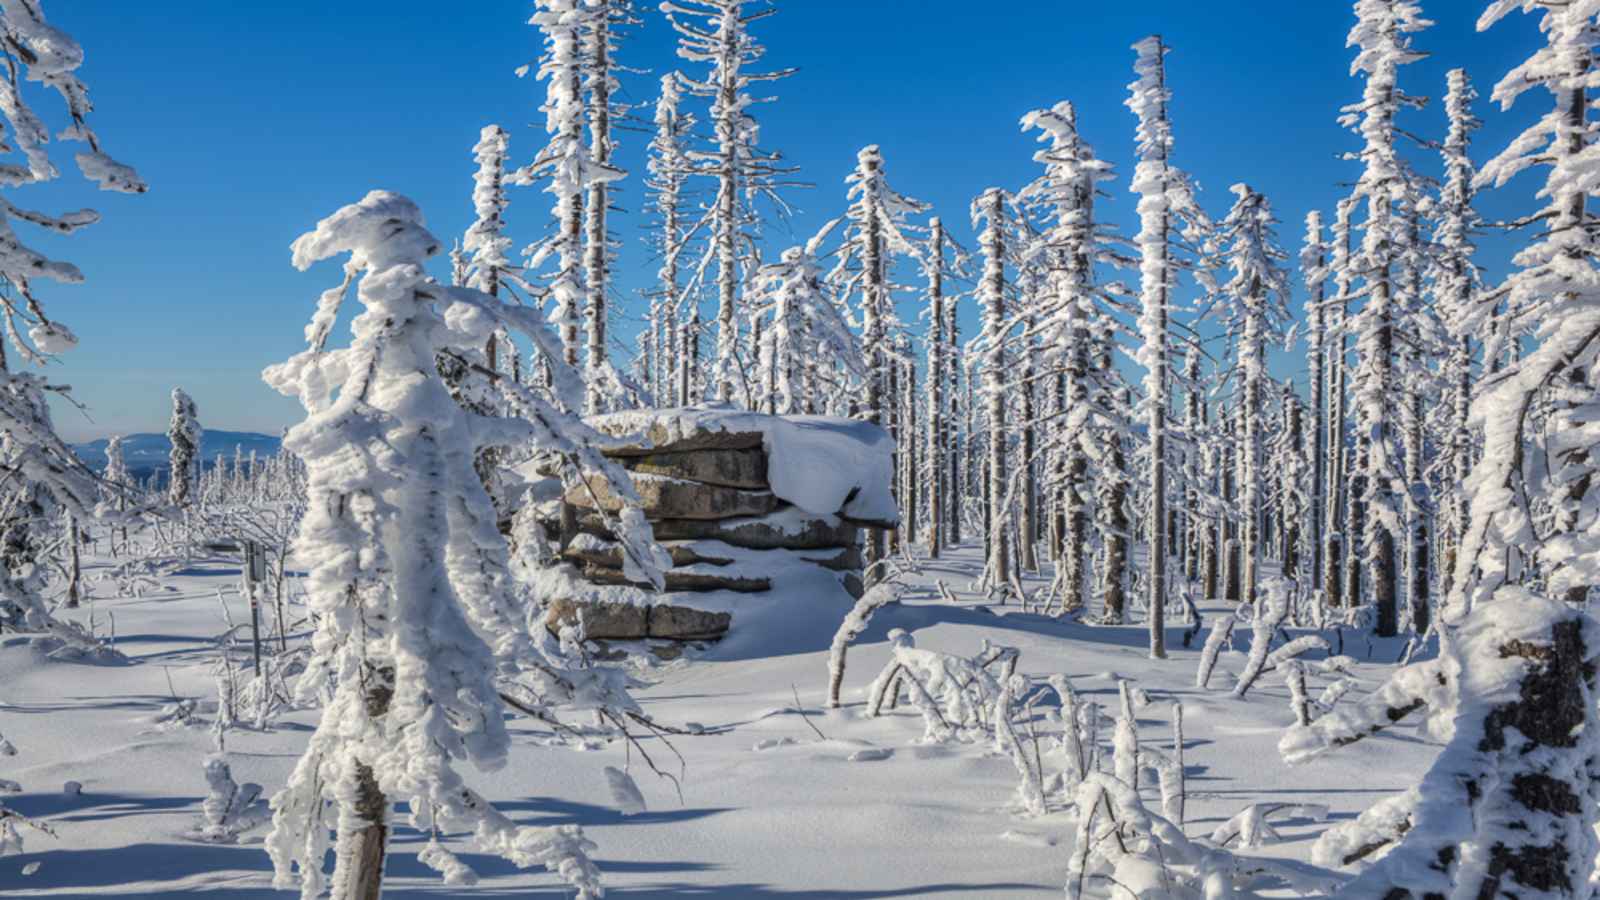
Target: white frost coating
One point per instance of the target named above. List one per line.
(824, 466)
(229, 807)
(878, 596)
(1408, 690)
(52, 337)
(1374, 830)
(1221, 631)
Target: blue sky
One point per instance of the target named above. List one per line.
(252, 121)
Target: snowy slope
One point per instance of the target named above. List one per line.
(767, 809)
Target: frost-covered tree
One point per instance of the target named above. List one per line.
(674, 330)
(40, 477)
(1456, 282)
(1314, 273)
(1510, 807)
(1171, 228)
(938, 434)
(486, 247)
(605, 17)
(875, 232)
(570, 169)
(992, 212)
(1388, 188)
(717, 34)
(183, 460)
(1256, 312)
(1338, 546)
(406, 569)
(808, 354)
(1072, 244)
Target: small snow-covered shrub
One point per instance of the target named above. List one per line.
(955, 694)
(229, 808)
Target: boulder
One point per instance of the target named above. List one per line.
(674, 498)
(789, 529)
(668, 432)
(680, 623)
(745, 469)
(682, 580)
(601, 621)
(609, 553)
(842, 559)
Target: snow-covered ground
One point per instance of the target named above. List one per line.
(767, 808)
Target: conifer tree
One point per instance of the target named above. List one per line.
(1314, 273)
(992, 211)
(717, 33)
(1510, 807)
(876, 231)
(183, 460)
(1386, 186)
(605, 17)
(1256, 313)
(1168, 215)
(673, 331)
(808, 355)
(407, 571)
(1072, 244)
(1456, 282)
(937, 435)
(569, 167)
(1339, 557)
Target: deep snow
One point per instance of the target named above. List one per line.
(767, 810)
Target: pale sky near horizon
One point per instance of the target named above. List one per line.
(252, 121)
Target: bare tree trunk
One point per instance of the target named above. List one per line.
(361, 849)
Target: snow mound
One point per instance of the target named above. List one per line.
(823, 465)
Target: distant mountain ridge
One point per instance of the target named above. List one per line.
(147, 453)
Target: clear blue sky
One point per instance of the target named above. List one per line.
(252, 121)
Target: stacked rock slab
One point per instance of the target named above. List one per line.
(703, 476)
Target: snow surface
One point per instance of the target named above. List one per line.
(767, 809)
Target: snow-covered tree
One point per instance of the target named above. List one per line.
(876, 231)
(570, 168)
(717, 33)
(674, 331)
(486, 246)
(1314, 273)
(183, 460)
(808, 354)
(1339, 557)
(407, 571)
(1172, 229)
(1256, 312)
(1072, 244)
(39, 474)
(600, 83)
(1388, 188)
(1456, 282)
(992, 211)
(938, 434)
(1510, 807)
